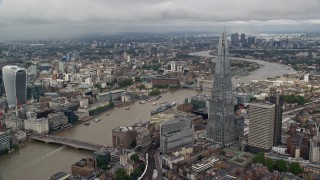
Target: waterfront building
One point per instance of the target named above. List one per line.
(4, 141)
(57, 120)
(15, 83)
(261, 128)
(40, 125)
(165, 82)
(84, 167)
(221, 121)
(110, 96)
(122, 137)
(158, 119)
(176, 133)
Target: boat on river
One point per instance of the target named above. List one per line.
(87, 124)
(164, 106)
(97, 120)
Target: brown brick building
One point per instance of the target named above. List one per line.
(122, 137)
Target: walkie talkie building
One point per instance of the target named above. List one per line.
(15, 84)
(221, 121)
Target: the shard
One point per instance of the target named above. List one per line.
(221, 120)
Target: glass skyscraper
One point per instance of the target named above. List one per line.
(15, 83)
(221, 121)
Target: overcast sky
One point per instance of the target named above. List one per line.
(25, 19)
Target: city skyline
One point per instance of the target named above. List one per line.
(34, 19)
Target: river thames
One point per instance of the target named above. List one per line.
(39, 161)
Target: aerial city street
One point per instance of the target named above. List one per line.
(238, 98)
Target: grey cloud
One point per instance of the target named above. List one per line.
(55, 16)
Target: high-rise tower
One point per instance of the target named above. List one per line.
(15, 83)
(221, 121)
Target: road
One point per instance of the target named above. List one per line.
(158, 164)
(151, 160)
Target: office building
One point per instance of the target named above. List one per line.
(4, 141)
(314, 155)
(221, 122)
(234, 40)
(243, 39)
(261, 128)
(278, 101)
(62, 66)
(251, 41)
(176, 133)
(15, 83)
(102, 157)
(306, 78)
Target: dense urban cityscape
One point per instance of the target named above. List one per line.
(153, 90)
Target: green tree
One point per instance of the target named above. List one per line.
(134, 157)
(155, 92)
(136, 173)
(137, 79)
(200, 157)
(121, 174)
(142, 86)
(295, 168)
(259, 158)
(126, 83)
(269, 163)
(281, 165)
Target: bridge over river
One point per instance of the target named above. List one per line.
(70, 142)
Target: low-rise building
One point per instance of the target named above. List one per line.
(110, 96)
(84, 167)
(205, 165)
(158, 119)
(143, 137)
(122, 137)
(40, 125)
(14, 123)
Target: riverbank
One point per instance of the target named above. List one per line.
(266, 70)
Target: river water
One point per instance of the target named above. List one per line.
(267, 69)
(39, 161)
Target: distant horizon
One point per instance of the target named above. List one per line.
(130, 33)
